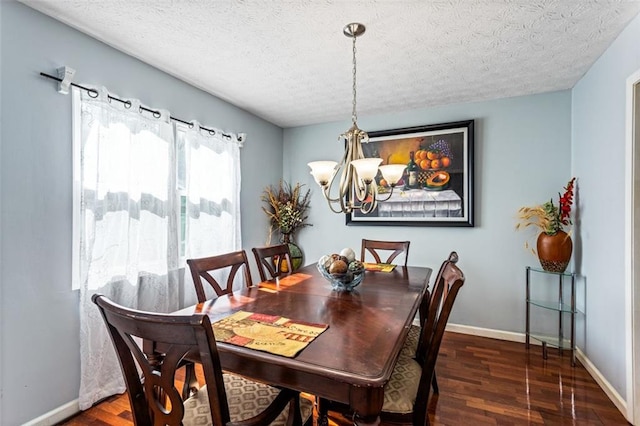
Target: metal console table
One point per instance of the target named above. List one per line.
(558, 305)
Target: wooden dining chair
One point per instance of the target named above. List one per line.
(225, 399)
(374, 247)
(270, 261)
(413, 340)
(406, 394)
(202, 268)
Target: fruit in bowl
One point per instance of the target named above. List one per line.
(343, 274)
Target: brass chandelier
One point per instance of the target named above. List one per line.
(358, 189)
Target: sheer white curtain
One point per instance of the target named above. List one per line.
(209, 178)
(128, 219)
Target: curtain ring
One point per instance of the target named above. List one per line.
(93, 93)
(127, 104)
(212, 132)
(156, 114)
(191, 125)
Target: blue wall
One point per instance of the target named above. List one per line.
(522, 157)
(598, 151)
(39, 326)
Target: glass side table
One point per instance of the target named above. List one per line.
(558, 305)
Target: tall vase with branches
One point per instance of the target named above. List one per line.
(286, 207)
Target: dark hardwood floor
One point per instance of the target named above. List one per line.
(482, 382)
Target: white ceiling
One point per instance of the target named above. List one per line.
(288, 61)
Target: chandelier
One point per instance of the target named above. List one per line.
(358, 189)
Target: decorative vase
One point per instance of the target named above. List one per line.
(294, 251)
(554, 251)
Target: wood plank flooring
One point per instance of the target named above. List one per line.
(482, 382)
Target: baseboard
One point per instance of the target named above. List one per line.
(57, 415)
(609, 390)
(65, 411)
(613, 395)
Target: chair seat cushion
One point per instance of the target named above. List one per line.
(411, 344)
(245, 398)
(401, 389)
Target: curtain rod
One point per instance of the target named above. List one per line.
(94, 94)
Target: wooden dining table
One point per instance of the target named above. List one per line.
(353, 359)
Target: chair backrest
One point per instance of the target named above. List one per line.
(202, 268)
(153, 396)
(271, 260)
(452, 258)
(444, 295)
(396, 247)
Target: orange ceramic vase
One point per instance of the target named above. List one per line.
(554, 251)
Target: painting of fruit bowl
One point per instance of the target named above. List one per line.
(436, 188)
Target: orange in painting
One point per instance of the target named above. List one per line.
(445, 161)
(435, 164)
(424, 164)
(433, 155)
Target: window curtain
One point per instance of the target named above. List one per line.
(128, 219)
(209, 178)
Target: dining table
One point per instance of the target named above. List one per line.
(352, 360)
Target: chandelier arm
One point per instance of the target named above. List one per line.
(382, 200)
(331, 202)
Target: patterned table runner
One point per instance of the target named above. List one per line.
(269, 333)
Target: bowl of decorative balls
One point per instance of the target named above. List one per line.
(342, 270)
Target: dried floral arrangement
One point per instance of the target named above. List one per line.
(286, 207)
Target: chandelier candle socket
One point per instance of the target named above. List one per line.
(357, 188)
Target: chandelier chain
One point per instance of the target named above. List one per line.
(354, 115)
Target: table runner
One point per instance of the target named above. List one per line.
(269, 333)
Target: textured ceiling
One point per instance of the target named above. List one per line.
(288, 61)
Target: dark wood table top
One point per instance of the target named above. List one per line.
(353, 359)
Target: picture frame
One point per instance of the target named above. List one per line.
(439, 191)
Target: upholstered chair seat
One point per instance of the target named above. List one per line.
(411, 344)
(402, 388)
(246, 399)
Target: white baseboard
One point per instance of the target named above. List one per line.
(609, 390)
(613, 395)
(71, 408)
(57, 415)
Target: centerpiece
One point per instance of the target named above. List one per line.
(342, 270)
(554, 245)
(286, 207)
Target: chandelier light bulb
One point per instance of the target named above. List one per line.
(392, 173)
(367, 168)
(322, 171)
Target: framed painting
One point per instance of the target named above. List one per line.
(436, 188)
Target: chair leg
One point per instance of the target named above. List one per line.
(190, 386)
(295, 417)
(434, 383)
(322, 406)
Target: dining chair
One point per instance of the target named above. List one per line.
(203, 267)
(271, 260)
(224, 399)
(406, 394)
(374, 246)
(410, 347)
